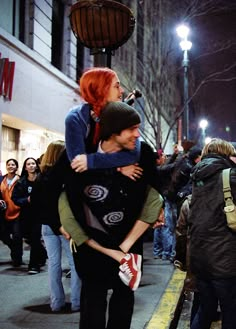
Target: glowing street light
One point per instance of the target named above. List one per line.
(182, 31)
(203, 125)
(185, 44)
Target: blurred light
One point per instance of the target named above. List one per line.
(182, 31)
(203, 124)
(185, 45)
(207, 140)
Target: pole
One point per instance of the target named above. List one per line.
(186, 96)
(203, 136)
(103, 59)
(180, 132)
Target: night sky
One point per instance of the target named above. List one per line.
(213, 52)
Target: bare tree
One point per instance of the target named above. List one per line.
(157, 63)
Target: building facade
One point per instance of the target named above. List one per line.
(41, 62)
(38, 66)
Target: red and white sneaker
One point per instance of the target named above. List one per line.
(130, 270)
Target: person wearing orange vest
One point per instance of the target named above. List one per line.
(10, 224)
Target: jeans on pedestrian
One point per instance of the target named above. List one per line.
(170, 222)
(162, 244)
(164, 240)
(211, 292)
(54, 245)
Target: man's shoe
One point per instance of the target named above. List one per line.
(130, 270)
(33, 270)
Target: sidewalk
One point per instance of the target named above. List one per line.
(24, 299)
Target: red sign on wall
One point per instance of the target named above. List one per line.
(7, 70)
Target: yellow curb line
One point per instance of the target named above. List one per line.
(165, 311)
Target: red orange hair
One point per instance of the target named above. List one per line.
(94, 87)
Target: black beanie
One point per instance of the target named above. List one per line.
(115, 117)
(194, 152)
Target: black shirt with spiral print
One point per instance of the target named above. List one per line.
(112, 202)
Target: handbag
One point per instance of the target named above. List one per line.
(229, 208)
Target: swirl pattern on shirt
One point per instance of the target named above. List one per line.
(113, 218)
(96, 192)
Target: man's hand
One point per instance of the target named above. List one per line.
(64, 233)
(160, 220)
(132, 171)
(79, 163)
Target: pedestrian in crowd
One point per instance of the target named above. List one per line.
(46, 211)
(30, 227)
(11, 233)
(183, 239)
(163, 235)
(175, 184)
(161, 244)
(212, 242)
(182, 261)
(192, 157)
(110, 217)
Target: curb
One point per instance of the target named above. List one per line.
(167, 313)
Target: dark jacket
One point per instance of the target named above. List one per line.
(22, 190)
(212, 243)
(174, 178)
(47, 189)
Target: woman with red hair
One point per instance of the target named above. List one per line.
(98, 86)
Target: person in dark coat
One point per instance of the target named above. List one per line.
(31, 228)
(212, 242)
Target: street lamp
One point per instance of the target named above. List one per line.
(185, 45)
(203, 125)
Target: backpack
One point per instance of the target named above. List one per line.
(230, 208)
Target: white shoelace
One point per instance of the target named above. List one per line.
(126, 269)
(73, 246)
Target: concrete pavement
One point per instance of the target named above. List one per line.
(24, 301)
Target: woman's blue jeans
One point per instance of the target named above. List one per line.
(54, 245)
(164, 241)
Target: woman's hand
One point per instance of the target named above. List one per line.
(160, 220)
(132, 171)
(79, 163)
(64, 233)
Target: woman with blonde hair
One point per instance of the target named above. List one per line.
(219, 146)
(45, 199)
(212, 242)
